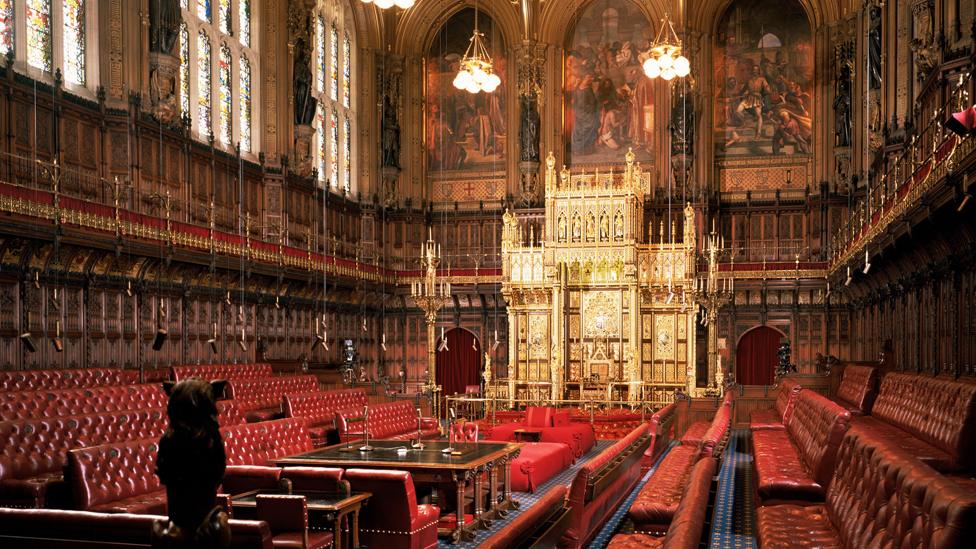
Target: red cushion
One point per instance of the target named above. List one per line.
(765, 419)
(789, 526)
(537, 463)
(657, 501)
(780, 472)
(696, 432)
(538, 416)
(560, 419)
(633, 541)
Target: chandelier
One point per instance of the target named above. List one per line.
(385, 4)
(477, 73)
(665, 58)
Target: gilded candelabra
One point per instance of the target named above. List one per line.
(430, 295)
(713, 293)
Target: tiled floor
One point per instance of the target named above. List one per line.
(734, 517)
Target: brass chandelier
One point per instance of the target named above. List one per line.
(665, 58)
(477, 73)
(385, 4)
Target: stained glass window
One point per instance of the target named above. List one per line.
(6, 26)
(223, 15)
(245, 21)
(39, 48)
(334, 146)
(321, 153)
(203, 9)
(320, 53)
(346, 154)
(184, 69)
(203, 82)
(245, 104)
(334, 64)
(226, 104)
(74, 41)
(346, 70)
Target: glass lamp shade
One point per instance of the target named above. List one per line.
(491, 83)
(462, 80)
(473, 87)
(665, 61)
(682, 67)
(651, 68)
(383, 4)
(404, 4)
(668, 73)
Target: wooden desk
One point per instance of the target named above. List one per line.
(464, 467)
(330, 506)
(527, 435)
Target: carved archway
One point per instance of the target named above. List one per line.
(756, 355)
(459, 364)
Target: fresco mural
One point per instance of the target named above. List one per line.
(463, 130)
(609, 102)
(764, 79)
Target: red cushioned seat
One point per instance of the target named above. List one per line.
(789, 526)
(696, 432)
(537, 463)
(777, 416)
(765, 419)
(858, 389)
(265, 414)
(393, 519)
(633, 541)
(579, 436)
(656, 503)
(781, 473)
(145, 504)
(923, 451)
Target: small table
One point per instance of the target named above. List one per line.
(527, 435)
(331, 506)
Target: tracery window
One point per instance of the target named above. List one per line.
(39, 40)
(334, 61)
(74, 41)
(45, 37)
(6, 26)
(219, 69)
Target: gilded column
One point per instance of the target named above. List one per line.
(635, 374)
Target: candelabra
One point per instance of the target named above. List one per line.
(713, 293)
(430, 295)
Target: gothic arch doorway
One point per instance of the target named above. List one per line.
(459, 365)
(755, 356)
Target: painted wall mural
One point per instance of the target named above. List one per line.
(464, 131)
(609, 103)
(764, 78)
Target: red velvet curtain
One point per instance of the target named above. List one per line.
(459, 365)
(756, 356)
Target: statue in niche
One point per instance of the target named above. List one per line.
(577, 229)
(561, 229)
(874, 49)
(529, 129)
(191, 464)
(391, 135)
(305, 104)
(164, 25)
(590, 228)
(682, 121)
(604, 228)
(923, 44)
(842, 110)
(618, 226)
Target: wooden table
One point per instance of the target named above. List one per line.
(527, 435)
(464, 467)
(331, 506)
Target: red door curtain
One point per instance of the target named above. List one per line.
(755, 356)
(460, 364)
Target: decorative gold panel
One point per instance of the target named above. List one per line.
(664, 338)
(601, 313)
(538, 337)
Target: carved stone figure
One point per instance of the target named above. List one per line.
(305, 104)
(874, 49)
(391, 135)
(529, 129)
(682, 121)
(191, 464)
(164, 25)
(842, 112)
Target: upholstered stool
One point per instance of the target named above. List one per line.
(539, 462)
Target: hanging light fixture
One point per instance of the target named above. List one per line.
(386, 4)
(477, 73)
(665, 58)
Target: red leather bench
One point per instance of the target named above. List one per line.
(117, 478)
(35, 380)
(35, 451)
(229, 414)
(601, 485)
(537, 526)
(70, 402)
(537, 463)
(933, 419)
(262, 399)
(390, 420)
(880, 496)
(221, 371)
(262, 443)
(662, 429)
(393, 519)
(686, 529)
(56, 529)
(796, 464)
(317, 410)
(858, 389)
(553, 425)
(698, 430)
(777, 417)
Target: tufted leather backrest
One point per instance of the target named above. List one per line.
(392, 418)
(466, 431)
(253, 394)
(110, 472)
(261, 443)
(393, 505)
(221, 371)
(817, 427)
(320, 406)
(34, 380)
(858, 385)
(229, 413)
(714, 438)
(689, 519)
(938, 411)
(68, 402)
(881, 496)
(786, 398)
(315, 479)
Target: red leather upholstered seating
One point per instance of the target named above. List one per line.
(390, 420)
(287, 516)
(698, 431)
(527, 521)
(33, 452)
(933, 419)
(117, 478)
(317, 409)
(261, 399)
(316, 479)
(880, 496)
(69, 402)
(776, 417)
(220, 371)
(662, 429)
(55, 529)
(229, 414)
(244, 478)
(466, 431)
(262, 443)
(580, 436)
(601, 485)
(539, 462)
(393, 520)
(657, 501)
(685, 531)
(35, 380)
(858, 389)
(796, 464)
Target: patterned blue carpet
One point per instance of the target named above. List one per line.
(734, 517)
